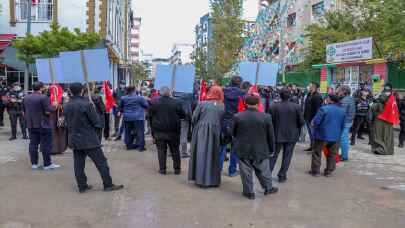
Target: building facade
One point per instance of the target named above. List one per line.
(135, 40)
(182, 54)
(111, 19)
(204, 34)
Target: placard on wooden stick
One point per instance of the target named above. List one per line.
(179, 78)
(259, 73)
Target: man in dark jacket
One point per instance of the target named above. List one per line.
(132, 109)
(362, 108)
(166, 115)
(254, 143)
(401, 107)
(312, 104)
(232, 94)
(82, 122)
(118, 94)
(328, 125)
(287, 121)
(38, 109)
(15, 111)
(3, 93)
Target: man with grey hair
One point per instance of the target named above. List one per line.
(349, 106)
(166, 114)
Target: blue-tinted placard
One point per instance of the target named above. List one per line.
(96, 62)
(247, 70)
(163, 76)
(184, 78)
(43, 70)
(268, 74)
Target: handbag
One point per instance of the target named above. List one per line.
(61, 121)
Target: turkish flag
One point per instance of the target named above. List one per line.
(34, 2)
(241, 105)
(390, 113)
(326, 152)
(56, 92)
(109, 99)
(203, 91)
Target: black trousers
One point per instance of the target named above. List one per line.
(262, 171)
(174, 145)
(107, 128)
(358, 122)
(402, 133)
(317, 156)
(100, 161)
(40, 138)
(1, 115)
(288, 150)
(14, 118)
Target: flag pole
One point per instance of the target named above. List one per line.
(26, 73)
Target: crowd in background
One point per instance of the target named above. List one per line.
(246, 124)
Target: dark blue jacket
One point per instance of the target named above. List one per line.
(329, 122)
(133, 107)
(231, 95)
(349, 107)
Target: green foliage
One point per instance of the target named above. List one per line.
(49, 44)
(200, 61)
(138, 72)
(382, 20)
(227, 35)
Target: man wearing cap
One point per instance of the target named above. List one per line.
(254, 144)
(15, 111)
(328, 125)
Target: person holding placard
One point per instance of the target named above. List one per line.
(82, 122)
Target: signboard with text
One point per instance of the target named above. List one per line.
(354, 50)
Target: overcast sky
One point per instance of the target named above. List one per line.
(165, 22)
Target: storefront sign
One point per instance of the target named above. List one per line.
(354, 50)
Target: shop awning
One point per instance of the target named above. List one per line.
(5, 41)
(333, 65)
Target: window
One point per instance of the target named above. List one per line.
(42, 10)
(292, 20)
(318, 9)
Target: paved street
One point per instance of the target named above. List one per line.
(367, 192)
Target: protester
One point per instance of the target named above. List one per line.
(3, 94)
(287, 121)
(186, 100)
(59, 131)
(349, 106)
(232, 95)
(15, 111)
(118, 94)
(97, 100)
(401, 106)
(312, 103)
(328, 125)
(166, 114)
(132, 108)
(384, 116)
(254, 144)
(362, 108)
(204, 166)
(37, 109)
(82, 122)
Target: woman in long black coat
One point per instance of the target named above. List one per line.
(204, 167)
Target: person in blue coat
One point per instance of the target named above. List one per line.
(328, 125)
(132, 109)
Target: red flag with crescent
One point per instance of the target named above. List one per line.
(56, 92)
(391, 112)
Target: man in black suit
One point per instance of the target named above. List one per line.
(287, 121)
(166, 114)
(254, 144)
(37, 109)
(82, 122)
(313, 102)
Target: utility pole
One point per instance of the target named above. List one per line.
(26, 75)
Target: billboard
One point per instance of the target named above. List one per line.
(349, 51)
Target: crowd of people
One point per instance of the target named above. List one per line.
(252, 124)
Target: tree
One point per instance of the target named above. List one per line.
(200, 61)
(382, 20)
(138, 72)
(227, 35)
(49, 44)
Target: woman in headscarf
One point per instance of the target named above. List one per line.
(204, 167)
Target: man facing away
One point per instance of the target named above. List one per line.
(328, 126)
(82, 122)
(254, 144)
(132, 108)
(349, 106)
(166, 115)
(312, 103)
(37, 110)
(287, 121)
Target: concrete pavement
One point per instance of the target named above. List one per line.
(367, 192)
